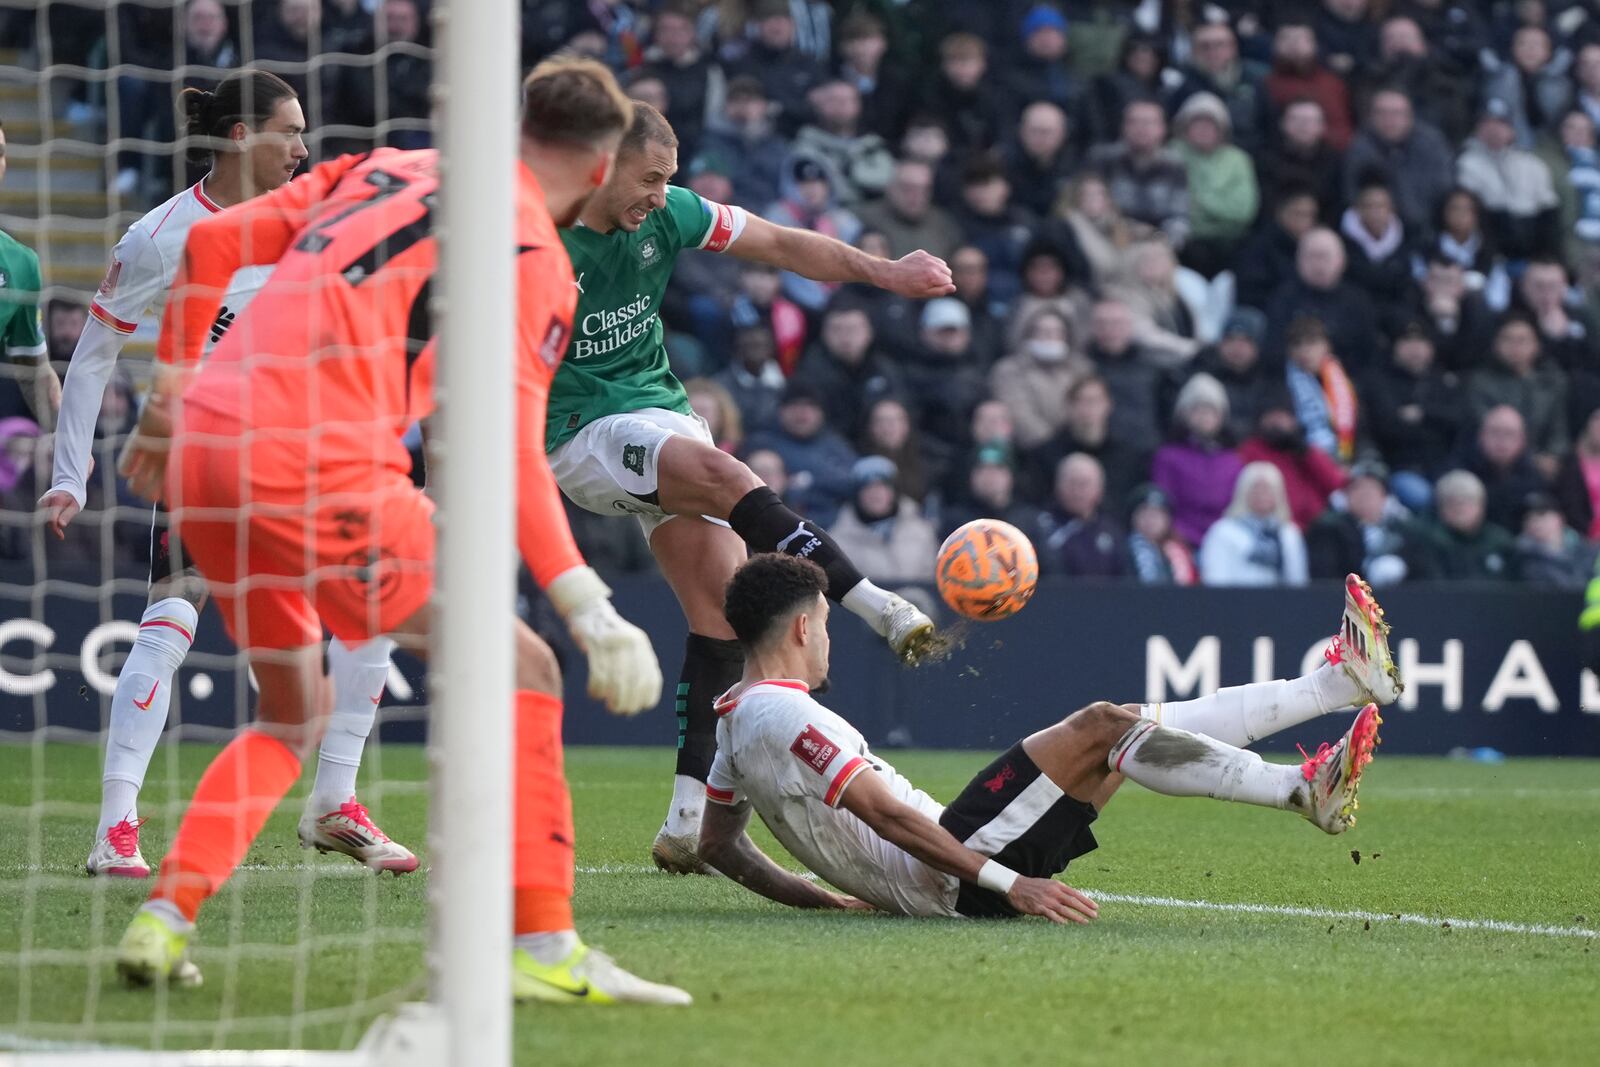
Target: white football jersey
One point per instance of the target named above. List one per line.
(793, 759)
(143, 265)
(147, 259)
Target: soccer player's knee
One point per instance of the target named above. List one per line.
(537, 667)
(725, 474)
(187, 584)
(1107, 719)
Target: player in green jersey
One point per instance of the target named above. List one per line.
(622, 437)
(21, 330)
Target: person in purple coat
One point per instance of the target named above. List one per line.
(1198, 467)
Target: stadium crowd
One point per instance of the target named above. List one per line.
(1249, 293)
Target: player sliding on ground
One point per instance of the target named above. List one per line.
(623, 438)
(250, 129)
(851, 818)
(293, 493)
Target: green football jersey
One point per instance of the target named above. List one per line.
(616, 361)
(21, 331)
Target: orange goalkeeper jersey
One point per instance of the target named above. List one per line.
(334, 360)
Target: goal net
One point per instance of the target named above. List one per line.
(311, 955)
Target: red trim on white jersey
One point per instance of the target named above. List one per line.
(720, 236)
(856, 765)
(111, 320)
(727, 701)
(718, 796)
(205, 201)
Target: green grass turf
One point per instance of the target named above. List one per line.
(1146, 984)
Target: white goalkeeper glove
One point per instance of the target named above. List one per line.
(623, 672)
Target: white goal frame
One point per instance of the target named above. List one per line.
(467, 1019)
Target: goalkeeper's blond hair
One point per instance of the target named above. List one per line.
(568, 100)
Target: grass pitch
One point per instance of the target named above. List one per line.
(303, 950)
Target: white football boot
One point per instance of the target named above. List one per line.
(117, 853)
(351, 831)
(1361, 646)
(1333, 773)
(909, 631)
(679, 854)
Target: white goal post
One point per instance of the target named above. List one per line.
(467, 1019)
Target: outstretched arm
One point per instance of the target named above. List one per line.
(919, 275)
(869, 799)
(725, 845)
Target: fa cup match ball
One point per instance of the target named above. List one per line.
(987, 570)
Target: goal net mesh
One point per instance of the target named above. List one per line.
(300, 950)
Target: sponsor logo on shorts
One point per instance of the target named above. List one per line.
(998, 782)
(649, 252)
(814, 749)
(633, 459)
(629, 508)
(805, 550)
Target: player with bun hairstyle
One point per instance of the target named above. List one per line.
(250, 129)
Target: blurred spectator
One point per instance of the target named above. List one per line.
(1075, 535)
(1536, 388)
(963, 94)
(861, 159)
(773, 57)
(907, 215)
(1255, 543)
(1324, 397)
(767, 465)
(1235, 362)
(1348, 37)
(845, 369)
(992, 223)
(1039, 72)
(1414, 412)
(1267, 257)
(1099, 233)
(1147, 183)
(714, 404)
(1378, 249)
(1535, 84)
(346, 27)
(1297, 74)
(1369, 535)
(704, 285)
(1047, 283)
(1577, 484)
(1498, 455)
(1455, 32)
(990, 492)
(969, 269)
(1197, 468)
(1040, 158)
(145, 105)
(610, 547)
(809, 203)
(753, 378)
(1156, 553)
(289, 34)
(927, 140)
(1308, 476)
(1033, 381)
(1460, 237)
(397, 88)
(20, 444)
(1462, 545)
(1513, 185)
(1412, 154)
(887, 431)
(1130, 373)
(741, 136)
(1237, 84)
(1573, 157)
(883, 532)
(990, 431)
(64, 321)
(1586, 78)
(647, 88)
(943, 378)
(1567, 336)
(1165, 322)
(817, 459)
(760, 303)
(692, 78)
(1319, 291)
(1302, 157)
(1454, 314)
(1137, 77)
(1441, 90)
(1089, 430)
(1549, 554)
(1223, 198)
(884, 88)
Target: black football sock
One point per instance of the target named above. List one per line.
(710, 668)
(767, 524)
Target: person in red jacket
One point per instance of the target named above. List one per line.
(1309, 475)
(1298, 74)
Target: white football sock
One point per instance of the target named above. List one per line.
(1181, 764)
(1241, 714)
(139, 705)
(688, 805)
(868, 601)
(548, 948)
(358, 678)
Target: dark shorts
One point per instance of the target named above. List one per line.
(166, 556)
(1019, 818)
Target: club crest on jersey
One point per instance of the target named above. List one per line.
(555, 343)
(814, 749)
(649, 252)
(633, 459)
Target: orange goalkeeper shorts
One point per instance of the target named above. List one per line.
(354, 552)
